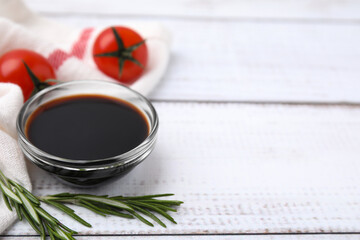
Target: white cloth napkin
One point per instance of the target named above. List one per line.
(11, 158)
(70, 52)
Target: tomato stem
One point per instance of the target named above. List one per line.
(38, 85)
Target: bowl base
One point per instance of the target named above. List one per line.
(90, 182)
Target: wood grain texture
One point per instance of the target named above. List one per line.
(222, 237)
(241, 169)
(256, 62)
(263, 9)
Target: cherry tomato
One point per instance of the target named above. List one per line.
(120, 53)
(13, 70)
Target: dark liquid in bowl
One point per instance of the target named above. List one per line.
(87, 127)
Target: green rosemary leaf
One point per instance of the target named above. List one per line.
(89, 195)
(163, 207)
(29, 219)
(51, 228)
(62, 234)
(142, 197)
(164, 202)
(138, 216)
(117, 213)
(57, 235)
(67, 228)
(154, 208)
(6, 200)
(93, 206)
(52, 237)
(17, 208)
(42, 231)
(50, 232)
(15, 185)
(149, 214)
(80, 220)
(46, 215)
(4, 179)
(29, 207)
(110, 210)
(62, 199)
(68, 211)
(7, 191)
(60, 206)
(86, 205)
(30, 196)
(106, 201)
(66, 194)
(51, 219)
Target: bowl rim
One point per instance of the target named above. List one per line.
(121, 158)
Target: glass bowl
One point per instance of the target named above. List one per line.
(87, 173)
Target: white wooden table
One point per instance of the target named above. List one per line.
(260, 120)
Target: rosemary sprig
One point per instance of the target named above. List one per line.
(28, 207)
(127, 207)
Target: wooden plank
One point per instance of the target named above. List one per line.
(263, 9)
(240, 169)
(222, 237)
(260, 62)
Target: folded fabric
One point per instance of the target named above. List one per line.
(70, 53)
(11, 158)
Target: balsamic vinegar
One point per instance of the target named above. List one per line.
(87, 127)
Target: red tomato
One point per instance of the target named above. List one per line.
(13, 70)
(120, 53)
